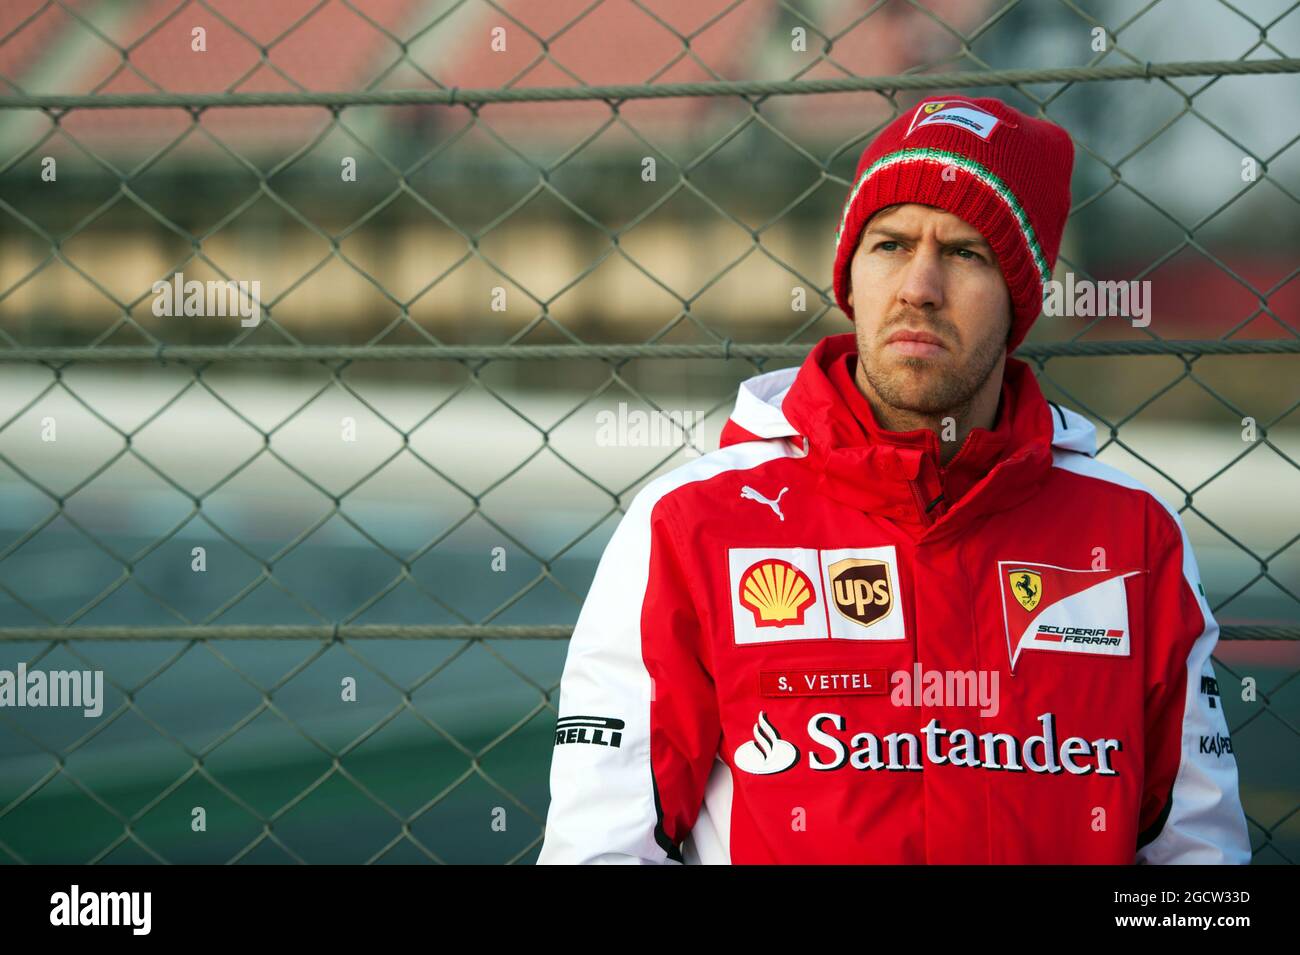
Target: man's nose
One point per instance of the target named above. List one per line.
(922, 279)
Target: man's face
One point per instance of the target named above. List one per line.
(931, 309)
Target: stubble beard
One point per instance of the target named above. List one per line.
(925, 386)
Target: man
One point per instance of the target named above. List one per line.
(902, 615)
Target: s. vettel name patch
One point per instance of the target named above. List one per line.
(823, 681)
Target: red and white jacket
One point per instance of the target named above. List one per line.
(815, 645)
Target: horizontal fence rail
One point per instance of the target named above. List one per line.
(616, 93)
(721, 351)
(402, 632)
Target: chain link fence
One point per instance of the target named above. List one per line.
(64, 780)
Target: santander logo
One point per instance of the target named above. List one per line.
(768, 753)
(832, 745)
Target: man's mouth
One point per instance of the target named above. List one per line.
(915, 344)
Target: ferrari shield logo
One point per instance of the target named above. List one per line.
(1027, 587)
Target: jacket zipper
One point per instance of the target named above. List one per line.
(919, 499)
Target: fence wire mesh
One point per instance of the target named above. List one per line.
(130, 344)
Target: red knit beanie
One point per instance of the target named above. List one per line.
(1004, 173)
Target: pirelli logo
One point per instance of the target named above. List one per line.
(592, 730)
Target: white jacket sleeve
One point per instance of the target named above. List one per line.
(1191, 769)
(638, 725)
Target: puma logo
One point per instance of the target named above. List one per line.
(748, 493)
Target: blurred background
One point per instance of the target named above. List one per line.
(480, 491)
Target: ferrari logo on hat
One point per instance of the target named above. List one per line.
(954, 112)
(1027, 587)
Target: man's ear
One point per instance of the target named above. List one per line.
(850, 298)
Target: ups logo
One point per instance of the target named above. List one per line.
(860, 589)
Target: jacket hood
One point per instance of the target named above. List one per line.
(897, 474)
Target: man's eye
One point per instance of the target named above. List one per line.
(888, 246)
(968, 254)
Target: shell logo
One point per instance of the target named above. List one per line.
(777, 592)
